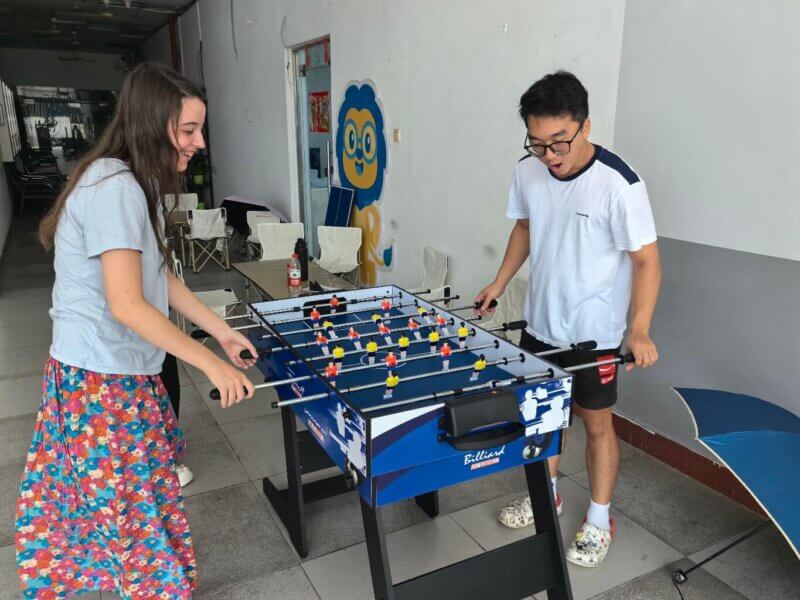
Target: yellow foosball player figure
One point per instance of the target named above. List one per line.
(391, 382)
(479, 366)
(433, 340)
(403, 343)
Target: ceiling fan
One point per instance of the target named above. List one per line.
(75, 56)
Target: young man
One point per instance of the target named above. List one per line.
(584, 219)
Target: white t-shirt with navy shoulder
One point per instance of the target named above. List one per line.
(581, 230)
(106, 210)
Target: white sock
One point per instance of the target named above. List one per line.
(598, 515)
(554, 481)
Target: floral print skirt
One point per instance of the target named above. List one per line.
(100, 507)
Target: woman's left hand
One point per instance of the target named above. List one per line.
(233, 343)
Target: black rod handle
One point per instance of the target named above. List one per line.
(515, 325)
(492, 304)
(199, 334)
(627, 358)
(584, 346)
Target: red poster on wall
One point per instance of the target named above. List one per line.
(319, 110)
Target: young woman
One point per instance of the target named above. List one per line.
(100, 506)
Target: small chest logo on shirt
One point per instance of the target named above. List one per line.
(580, 214)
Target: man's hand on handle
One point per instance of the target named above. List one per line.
(643, 349)
(491, 292)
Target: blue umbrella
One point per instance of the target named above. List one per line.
(760, 444)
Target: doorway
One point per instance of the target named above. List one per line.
(312, 69)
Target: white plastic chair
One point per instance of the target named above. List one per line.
(254, 217)
(509, 308)
(220, 301)
(435, 263)
(339, 248)
(278, 239)
(208, 235)
(182, 202)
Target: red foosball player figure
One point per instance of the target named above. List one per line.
(334, 304)
(338, 356)
(479, 366)
(372, 349)
(441, 322)
(463, 332)
(315, 317)
(328, 327)
(403, 343)
(433, 340)
(322, 342)
(391, 382)
(424, 312)
(445, 351)
(384, 330)
(391, 360)
(413, 327)
(355, 337)
(386, 306)
(331, 371)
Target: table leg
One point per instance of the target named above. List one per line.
(376, 550)
(545, 520)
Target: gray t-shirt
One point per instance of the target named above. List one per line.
(107, 210)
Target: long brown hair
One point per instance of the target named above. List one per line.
(150, 101)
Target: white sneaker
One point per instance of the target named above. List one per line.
(519, 513)
(590, 546)
(185, 476)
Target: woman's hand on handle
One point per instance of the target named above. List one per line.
(485, 297)
(233, 385)
(233, 343)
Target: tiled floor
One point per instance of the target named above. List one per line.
(663, 517)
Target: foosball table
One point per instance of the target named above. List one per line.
(406, 397)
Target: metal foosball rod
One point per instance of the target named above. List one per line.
(471, 333)
(506, 360)
(547, 374)
(355, 312)
(215, 395)
(323, 356)
(246, 355)
(514, 325)
(200, 334)
(344, 325)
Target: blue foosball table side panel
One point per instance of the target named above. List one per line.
(410, 455)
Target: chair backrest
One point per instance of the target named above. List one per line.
(339, 246)
(278, 239)
(177, 266)
(254, 217)
(207, 224)
(435, 263)
(181, 202)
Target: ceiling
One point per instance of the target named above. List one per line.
(113, 26)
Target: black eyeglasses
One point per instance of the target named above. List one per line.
(557, 148)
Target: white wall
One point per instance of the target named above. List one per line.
(22, 66)
(157, 47)
(450, 74)
(707, 110)
(707, 114)
(189, 32)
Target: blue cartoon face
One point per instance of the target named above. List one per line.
(361, 145)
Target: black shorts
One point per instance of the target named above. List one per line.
(592, 389)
